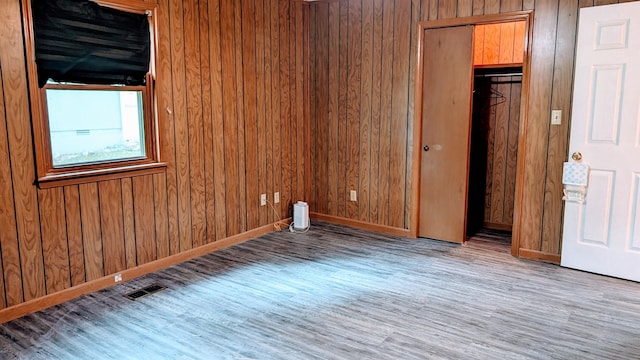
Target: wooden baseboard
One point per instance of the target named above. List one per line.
(46, 301)
(361, 224)
(539, 255)
(496, 226)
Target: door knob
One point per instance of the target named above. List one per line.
(426, 148)
(576, 156)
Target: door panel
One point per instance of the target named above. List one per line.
(447, 91)
(601, 234)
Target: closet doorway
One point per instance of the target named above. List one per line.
(472, 183)
(497, 89)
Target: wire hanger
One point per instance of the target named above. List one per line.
(496, 94)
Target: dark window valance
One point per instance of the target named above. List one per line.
(79, 41)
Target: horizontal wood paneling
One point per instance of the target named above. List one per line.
(383, 143)
(229, 81)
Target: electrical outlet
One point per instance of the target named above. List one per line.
(117, 278)
(556, 117)
(276, 197)
(263, 199)
(353, 195)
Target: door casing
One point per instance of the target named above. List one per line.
(526, 16)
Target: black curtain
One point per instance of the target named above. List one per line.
(79, 41)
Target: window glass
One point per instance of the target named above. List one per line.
(90, 126)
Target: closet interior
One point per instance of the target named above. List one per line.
(497, 90)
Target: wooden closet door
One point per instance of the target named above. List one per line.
(446, 117)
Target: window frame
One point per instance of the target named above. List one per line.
(50, 176)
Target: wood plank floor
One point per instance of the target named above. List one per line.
(339, 293)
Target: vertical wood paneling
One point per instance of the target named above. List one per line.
(276, 96)
(54, 240)
(499, 43)
(510, 5)
(230, 84)
(512, 151)
(323, 125)
(343, 78)
(129, 224)
(354, 91)
(261, 110)
(433, 9)
(400, 98)
(285, 108)
(74, 234)
(250, 113)
(491, 51)
(376, 111)
(465, 8)
(12, 284)
(478, 7)
(551, 73)
(544, 38)
(128, 215)
(268, 118)
(230, 123)
(293, 123)
(559, 134)
(181, 133)
(385, 112)
(491, 136)
(507, 40)
(111, 225)
(500, 134)
(91, 233)
(447, 9)
(408, 201)
(518, 45)
(478, 44)
(365, 112)
(301, 118)
(161, 218)
(144, 219)
(207, 135)
(334, 125)
(313, 29)
(194, 183)
(219, 171)
(20, 149)
(491, 6)
(166, 121)
(241, 211)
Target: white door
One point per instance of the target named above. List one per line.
(602, 235)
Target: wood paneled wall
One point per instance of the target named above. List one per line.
(363, 78)
(501, 43)
(230, 85)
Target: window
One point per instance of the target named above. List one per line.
(91, 89)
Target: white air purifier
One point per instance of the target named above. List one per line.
(300, 216)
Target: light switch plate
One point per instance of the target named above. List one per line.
(353, 195)
(556, 117)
